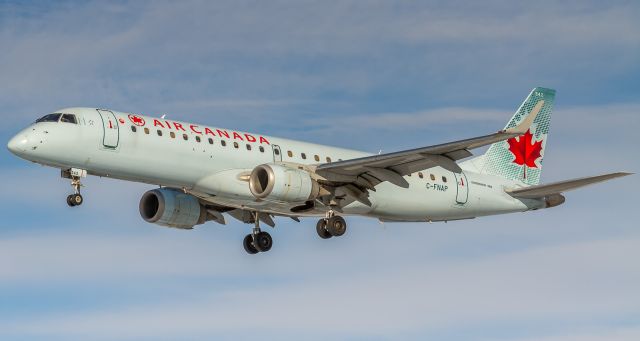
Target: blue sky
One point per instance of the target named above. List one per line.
(371, 75)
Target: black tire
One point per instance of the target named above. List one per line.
(248, 245)
(321, 228)
(263, 241)
(70, 201)
(77, 199)
(337, 226)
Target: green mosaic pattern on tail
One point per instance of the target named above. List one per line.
(499, 160)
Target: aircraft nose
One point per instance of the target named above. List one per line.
(18, 144)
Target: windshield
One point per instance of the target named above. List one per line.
(49, 118)
(68, 118)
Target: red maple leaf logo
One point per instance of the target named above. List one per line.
(137, 120)
(526, 153)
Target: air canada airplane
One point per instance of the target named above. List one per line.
(205, 173)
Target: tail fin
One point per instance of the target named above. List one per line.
(520, 158)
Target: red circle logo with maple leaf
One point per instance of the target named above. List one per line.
(137, 120)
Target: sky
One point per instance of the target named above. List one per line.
(369, 75)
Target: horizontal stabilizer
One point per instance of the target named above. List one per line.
(540, 191)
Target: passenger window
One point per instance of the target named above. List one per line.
(173, 135)
(223, 143)
(304, 156)
(236, 145)
(159, 132)
(444, 179)
(197, 138)
(328, 159)
(316, 157)
(248, 147)
(133, 129)
(185, 137)
(210, 141)
(49, 118)
(262, 149)
(289, 153)
(68, 118)
(433, 177)
(420, 175)
(146, 131)
(276, 151)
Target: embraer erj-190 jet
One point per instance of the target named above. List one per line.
(203, 172)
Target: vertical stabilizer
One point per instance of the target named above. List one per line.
(520, 158)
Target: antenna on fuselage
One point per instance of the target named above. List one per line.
(163, 116)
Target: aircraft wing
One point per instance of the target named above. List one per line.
(541, 191)
(370, 171)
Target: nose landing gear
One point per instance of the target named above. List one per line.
(74, 199)
(75, 175)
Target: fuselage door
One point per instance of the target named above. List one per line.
(463, 188)
(277, 153)
(111, 135)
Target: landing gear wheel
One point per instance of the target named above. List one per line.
(262, 241)
(336, 226)
(248, 245)
(70, 200)
(76, 199)
(321, 228)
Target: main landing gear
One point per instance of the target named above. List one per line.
(75, 175)
(257, 240)
(331, 226)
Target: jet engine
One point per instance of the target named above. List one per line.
(275, 182)
(172, 208)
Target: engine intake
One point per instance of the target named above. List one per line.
(281, 183)
(172, 208)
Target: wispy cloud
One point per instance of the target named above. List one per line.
(473, 291)
(593, 334)
(148, 57)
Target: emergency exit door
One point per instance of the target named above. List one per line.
(111, 135)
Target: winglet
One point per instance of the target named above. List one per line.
(526, 123)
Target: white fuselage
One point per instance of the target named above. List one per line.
(105, 144)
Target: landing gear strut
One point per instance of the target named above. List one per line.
(331, 226)
(75, 175)
(257, 240)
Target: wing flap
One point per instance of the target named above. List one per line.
(541, 191)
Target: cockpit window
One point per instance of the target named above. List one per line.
(49, 118)
(69, 118)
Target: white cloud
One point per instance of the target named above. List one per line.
(146, 57)
(593, 334)
(586, 281)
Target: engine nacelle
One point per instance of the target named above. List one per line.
(281, 183)
(173, 208)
